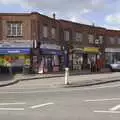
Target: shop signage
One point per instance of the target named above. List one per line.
(112, 49)
(91, 49)
(14, 51)
(16, 44)
(51, 51)
(50, 46)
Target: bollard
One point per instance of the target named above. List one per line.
(66, 76)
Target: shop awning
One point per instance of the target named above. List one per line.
(14, 51)
(51, 51)
(91, 50)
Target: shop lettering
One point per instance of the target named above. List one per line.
(15, 51)
(50, 46)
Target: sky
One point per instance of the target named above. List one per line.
(103, 13)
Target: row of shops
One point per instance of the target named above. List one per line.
(17, 54)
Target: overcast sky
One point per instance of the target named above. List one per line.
(104, 13)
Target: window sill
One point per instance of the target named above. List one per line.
(14, 36)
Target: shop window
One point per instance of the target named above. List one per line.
(78, 37)
(53, 33)
(14, 29)
(45, 31)
(66, 35)
(91, 39)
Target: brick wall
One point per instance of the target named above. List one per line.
(26, 29)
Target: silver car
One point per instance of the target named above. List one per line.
(114, 67)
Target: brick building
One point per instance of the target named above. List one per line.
(17, 33)
(112, 46)
(81, 42)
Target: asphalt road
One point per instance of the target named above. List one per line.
(88, 103)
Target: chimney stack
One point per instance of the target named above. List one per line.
(54, 15)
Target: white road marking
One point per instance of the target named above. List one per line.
(12, 103)
(12, 109)
(100, 100)
(41, 105)
(102, 111)
(115, 108)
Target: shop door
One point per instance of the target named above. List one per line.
(49, 63)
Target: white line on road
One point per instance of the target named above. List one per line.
(100, 100)
(102, 111)
(41, 105)
(115, 108)
(12, 103)
(12, 109)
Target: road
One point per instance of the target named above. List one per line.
(87, 103)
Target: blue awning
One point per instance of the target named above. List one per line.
(51, 51)
(14, 51)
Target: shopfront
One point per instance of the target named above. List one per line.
(112, 55)
(77, 58)
(51, 58)
(14, 56)
(90, 53)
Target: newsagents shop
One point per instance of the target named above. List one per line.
(14, 54)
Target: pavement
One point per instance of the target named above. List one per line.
(76, 79)
(101, 102)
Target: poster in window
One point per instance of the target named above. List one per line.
(17, 60)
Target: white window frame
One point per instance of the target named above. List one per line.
(45, 31)
(53, 33)
(78, 36)
(66, 35)
(16, 29)
(91, 39)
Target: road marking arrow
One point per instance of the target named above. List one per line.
(41, 105)
(115, 108)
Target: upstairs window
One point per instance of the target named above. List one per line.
(53, 33)
(14, 29)
(78, 37)
(45, 31)
(101, 39)
(66, 35)
(112, 40)
(91, 39)
(118, 40)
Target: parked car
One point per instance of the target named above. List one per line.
(115, 67)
